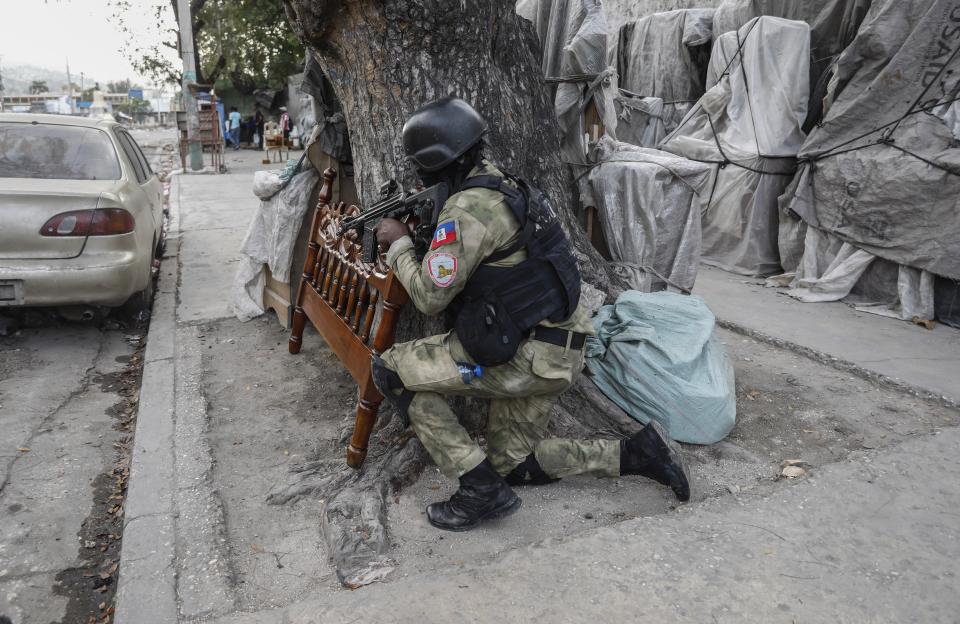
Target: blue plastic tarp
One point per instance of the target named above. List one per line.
(656, 356)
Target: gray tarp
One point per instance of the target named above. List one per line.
(749, 127)
(327, 112)
(833, 25)
(620, 12)
(885, 172)
(650, 210)
(661, 63)
(574, 39)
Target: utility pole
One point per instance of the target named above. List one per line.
(189, 78)
(70, 89)
(1, 83)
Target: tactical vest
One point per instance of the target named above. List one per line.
(500, 305)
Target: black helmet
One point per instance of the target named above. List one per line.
(440, 132)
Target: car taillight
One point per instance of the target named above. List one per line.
(99, 222)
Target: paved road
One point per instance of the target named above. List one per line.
(61, 413)
(68, 393)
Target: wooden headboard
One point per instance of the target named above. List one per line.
(353, 305)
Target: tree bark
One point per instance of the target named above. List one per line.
(384, 59)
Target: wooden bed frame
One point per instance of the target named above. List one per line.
(354, 306)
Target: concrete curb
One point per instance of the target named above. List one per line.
(147, 585)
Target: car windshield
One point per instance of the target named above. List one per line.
(54, 152)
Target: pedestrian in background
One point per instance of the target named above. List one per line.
(234, 127)
(259, 121)
(285, 125)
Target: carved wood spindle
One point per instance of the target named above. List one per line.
(332, 265)
(339, 284)
(342, 299)
(352, 296)
(371, 312)
(361, 305)
(332, 290)
(318, 267)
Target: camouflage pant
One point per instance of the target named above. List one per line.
(522, 392)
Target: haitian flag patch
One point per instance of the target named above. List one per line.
(446, 233)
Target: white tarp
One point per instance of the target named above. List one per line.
(649, 206)
(749, 127)
(833, 270)
(884, 172)
(270, 237)
(661, 63)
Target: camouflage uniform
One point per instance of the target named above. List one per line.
(474, 224)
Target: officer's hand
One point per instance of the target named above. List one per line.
(390, 230)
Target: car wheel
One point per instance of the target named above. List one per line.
(142, 301)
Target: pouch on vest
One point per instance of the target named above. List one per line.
(487, 332)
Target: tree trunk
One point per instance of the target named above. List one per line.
(384, 59)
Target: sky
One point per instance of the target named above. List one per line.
(46, 33)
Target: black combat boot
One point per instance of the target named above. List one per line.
(651, 453)
(483, 495)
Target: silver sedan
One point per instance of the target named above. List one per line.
(81, 213)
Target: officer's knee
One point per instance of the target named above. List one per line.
(390, 385)
(529, 472)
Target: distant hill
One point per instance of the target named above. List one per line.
(17, 78)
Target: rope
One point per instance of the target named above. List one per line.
(647, 269)
(887, 139)
(591, 166)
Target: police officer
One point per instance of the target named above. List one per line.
(482, 245)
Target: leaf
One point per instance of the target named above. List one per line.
(23, 449)
(257, 548)
(792, 472)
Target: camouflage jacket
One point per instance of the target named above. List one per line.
(472, 225)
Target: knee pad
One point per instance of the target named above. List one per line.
(388, 382)
(528, 467)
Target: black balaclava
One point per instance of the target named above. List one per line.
(454, 174)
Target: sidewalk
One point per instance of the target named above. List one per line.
(926, 360)
(223, 515)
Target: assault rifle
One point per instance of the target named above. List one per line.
(420, 209)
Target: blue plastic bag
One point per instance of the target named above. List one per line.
(656, 357)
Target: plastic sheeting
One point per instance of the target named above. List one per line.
(661, 63)
(833, 25)
(833, 270)
(574, 39)
(749, 127)
(649, 206)
(656, 357)
(271, 237)
(327, 112)
(887, 158)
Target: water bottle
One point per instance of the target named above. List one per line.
(469, 371)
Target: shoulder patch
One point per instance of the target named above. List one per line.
(442, 268)
(445, 234)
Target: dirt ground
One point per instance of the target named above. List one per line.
(789, 408)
